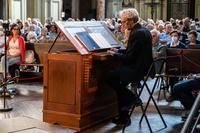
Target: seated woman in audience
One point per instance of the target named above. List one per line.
(175, 43)
(193, 38)
(15, 48)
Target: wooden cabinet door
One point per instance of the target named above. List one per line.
(64, 78)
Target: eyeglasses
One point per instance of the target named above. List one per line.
(123, 22)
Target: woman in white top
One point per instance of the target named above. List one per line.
(15, 48)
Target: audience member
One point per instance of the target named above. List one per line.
(53, 32)
(165, 38)
(184, 92)
(193, 38)
(44, 35)
(16, 48)
(175, 43)
(159, 49)
(32, 36)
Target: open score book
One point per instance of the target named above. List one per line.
(92, 41)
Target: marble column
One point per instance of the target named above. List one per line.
(100, 9)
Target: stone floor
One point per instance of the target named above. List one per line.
(28, 103)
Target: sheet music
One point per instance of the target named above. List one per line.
(109, 38)
(87, 40)
(102, 35)
(100, 40)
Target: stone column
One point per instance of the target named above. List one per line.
(100, 9)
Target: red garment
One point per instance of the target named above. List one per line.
(22, 47)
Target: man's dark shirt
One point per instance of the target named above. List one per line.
(137, 57)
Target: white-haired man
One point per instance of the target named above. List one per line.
(158, 49)
(135, 61)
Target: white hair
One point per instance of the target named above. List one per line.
(155, 31)
(130, 13)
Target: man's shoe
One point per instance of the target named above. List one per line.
(122, 121)
(171, 98)
(138, 102)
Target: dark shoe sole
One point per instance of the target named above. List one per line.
(119, 122)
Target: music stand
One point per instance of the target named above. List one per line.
(5, 108)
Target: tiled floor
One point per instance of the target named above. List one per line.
(29, 103)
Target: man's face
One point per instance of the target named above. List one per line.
(127, 23)
(168, 28)
(155, 38)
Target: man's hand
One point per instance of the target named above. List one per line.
(190, 76)
(193, 76)
(112, 51)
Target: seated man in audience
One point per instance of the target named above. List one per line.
(165, 37)
(158, 49)
(183, 91)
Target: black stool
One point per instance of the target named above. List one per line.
(150, 73)
(135, 87)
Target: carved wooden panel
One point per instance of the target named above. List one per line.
(180, 9)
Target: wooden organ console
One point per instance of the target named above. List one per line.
(75, 93)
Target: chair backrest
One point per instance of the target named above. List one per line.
(156, 67)
(182, 61)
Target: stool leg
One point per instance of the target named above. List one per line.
(145, 116)
(151, 97)
(196, 122)
(130, 113)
